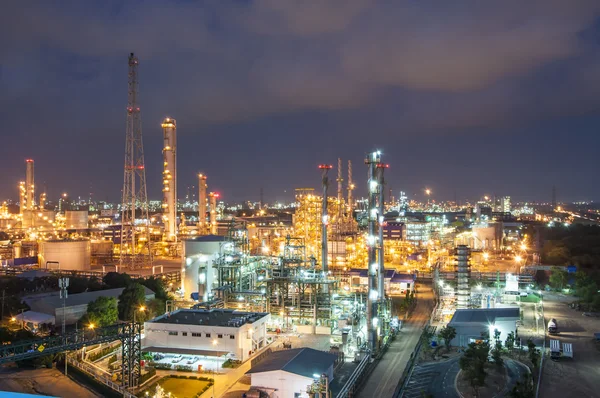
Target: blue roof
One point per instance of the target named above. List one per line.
(403, 278)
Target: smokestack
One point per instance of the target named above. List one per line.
(201, 204)
(350, 188)
(213, 212)
(373, 159)
(380, 270)
(29, 184)
(22, 197)
(169, 204)
(325, 217)
(42, 203)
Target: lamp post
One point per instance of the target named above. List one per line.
(141, 309)
(214, 343)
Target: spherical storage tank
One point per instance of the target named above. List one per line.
(76, 219)
(70, 254)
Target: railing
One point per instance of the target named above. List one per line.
(346, 390)
(71, 341)
(99, 375)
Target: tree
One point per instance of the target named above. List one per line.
(131, 300)
(534, 353)
(510, 341)
(472, 363)
(523, 388)
(497, 351)
(114, 280)
(447, 333)
(558, 278)
(101, 312)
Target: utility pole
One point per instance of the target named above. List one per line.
(134, 195)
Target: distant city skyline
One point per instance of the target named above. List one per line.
(498, 99)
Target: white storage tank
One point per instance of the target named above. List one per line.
(70, 254)
(197, 272)
(76, 219)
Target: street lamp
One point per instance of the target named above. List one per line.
(141, 309)
(214, 343)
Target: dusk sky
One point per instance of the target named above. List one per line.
(464, 97)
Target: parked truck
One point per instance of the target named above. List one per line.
(552, 326)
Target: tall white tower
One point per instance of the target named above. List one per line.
(170, 178)
(29, 185)
(202, 204)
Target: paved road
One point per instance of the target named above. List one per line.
(437, 379)
(386, 376)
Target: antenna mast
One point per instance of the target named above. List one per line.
(134, 195)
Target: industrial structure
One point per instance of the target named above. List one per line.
(463, 274)
(202, 230)
(170, 179)
(135, 247)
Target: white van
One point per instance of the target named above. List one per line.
(554, 349)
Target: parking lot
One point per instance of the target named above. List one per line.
(577, 377)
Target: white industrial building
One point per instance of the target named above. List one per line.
(472, 324)
(198, 275)
(288, 373)
(207, 332)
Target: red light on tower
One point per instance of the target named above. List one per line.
(325, 166)
(382, 165)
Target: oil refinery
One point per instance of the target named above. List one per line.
(328, 264)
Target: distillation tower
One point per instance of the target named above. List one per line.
(134, 252)
(30, 185)
(202, 230)
(463, 274)
(169, 204)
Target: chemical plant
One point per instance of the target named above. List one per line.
(328, 264)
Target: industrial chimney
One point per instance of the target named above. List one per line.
(170, 178)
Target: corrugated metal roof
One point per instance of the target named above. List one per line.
(484, 315)
(301, 361)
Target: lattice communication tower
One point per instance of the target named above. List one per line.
(134, 252)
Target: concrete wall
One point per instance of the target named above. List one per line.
(242, 344)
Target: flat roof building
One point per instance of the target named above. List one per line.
(287, 373)
(472, 324)
(207, 332)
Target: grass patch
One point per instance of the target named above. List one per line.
(531, 298)
(181, 386)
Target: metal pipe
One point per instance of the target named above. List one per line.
(350, 187)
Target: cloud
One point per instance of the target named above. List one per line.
(231, 61)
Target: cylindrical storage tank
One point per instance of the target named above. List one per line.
(197, 272)
(69, 254)
(76, 219)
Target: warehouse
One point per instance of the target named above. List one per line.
(288, 373)
(471, 324)
(207, 332)
(75, 304)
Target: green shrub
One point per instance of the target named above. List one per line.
(148, 375)
(183, 368)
